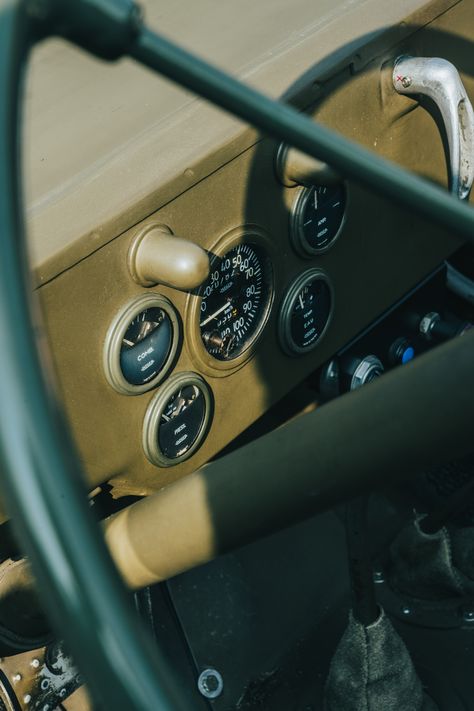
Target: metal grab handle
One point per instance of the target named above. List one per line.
(440, 80)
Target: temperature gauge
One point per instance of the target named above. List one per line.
(305, 312)
(141, 344)
(177, 420)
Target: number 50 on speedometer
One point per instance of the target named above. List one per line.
(235, 301)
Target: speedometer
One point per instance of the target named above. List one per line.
(235, 301)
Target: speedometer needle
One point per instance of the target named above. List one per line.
(216, 313)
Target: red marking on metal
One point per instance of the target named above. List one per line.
(399, 78)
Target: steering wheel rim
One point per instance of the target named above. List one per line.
(39, 466)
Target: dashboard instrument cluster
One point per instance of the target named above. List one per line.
(224, 319)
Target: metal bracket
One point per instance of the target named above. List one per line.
(440, 81)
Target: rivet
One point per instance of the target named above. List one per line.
(35, 663)
(16, 678)
(62, 693)
(26, 698)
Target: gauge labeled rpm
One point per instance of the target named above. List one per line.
(317, 218)
(235, 301)
(305, 312)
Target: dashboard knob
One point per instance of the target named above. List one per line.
(434, 328)
(157, 256)
(361, 371)
(293, 167)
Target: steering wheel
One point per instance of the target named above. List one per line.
(41, 478)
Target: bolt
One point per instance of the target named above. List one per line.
(35, 663)
(16, 678)
(406, 82)
(378, 577)
(26, 698)
(468, 615)
(210, 683)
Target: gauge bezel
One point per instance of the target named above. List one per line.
(297, 238)
(116, 332)
(156, 408)
(245, 234)
(286, 309)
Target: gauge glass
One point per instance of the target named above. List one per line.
(181, 421)
(317, 218)
(177, 419)
(141, 344)
(235, 301)
(145, 346)
(305, 312)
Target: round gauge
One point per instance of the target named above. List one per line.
(317, 218)
(177, 419)
(141, 344)
(305, 312)
(235, 301)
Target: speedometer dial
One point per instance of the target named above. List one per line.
(235, 301)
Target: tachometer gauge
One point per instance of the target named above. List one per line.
(235, 301)
(305, 312)
(317, 218)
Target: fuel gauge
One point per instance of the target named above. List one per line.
(305, 312)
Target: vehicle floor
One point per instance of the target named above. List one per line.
(269, 617)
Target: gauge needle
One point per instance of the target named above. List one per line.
(216, 313)
(301, 301)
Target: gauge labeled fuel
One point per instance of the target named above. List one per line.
(305, 312)
(317, 218)
(141, 344)
(235, 301)
(177, 420)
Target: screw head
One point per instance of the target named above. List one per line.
(210, 683)
(16, 678)
(406, 82)
(35, 663)
(468, 615)
(378, 577)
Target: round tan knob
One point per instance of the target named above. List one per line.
(293, 167)
(157, 256)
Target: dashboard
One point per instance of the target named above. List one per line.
(158, 377)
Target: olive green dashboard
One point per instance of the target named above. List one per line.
(232, 196)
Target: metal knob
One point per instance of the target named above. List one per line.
(156, 256)
(293, 167)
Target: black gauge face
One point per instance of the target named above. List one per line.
(305, 312)
(177, 419)
(317, 218)
(145, 346)
(235, 301)
(181, 421)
